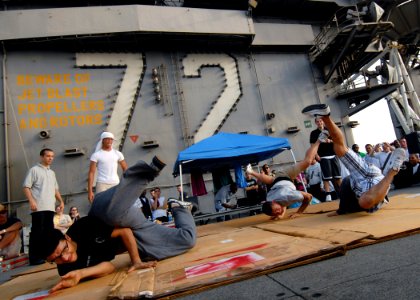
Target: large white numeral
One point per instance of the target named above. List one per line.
(126, 97)
(192, 64)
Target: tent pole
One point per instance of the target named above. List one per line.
(300, 174)
(180, 179)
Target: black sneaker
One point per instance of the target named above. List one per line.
(178, 203)
(317, 110)
(157, 164)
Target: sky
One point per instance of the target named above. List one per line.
(375, 125)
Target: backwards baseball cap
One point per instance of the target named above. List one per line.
(107, 135)
(49, 241)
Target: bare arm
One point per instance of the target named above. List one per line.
(72, 278)
(91, 175)
(281, 216)
(13, 227)
(10, 234)
(306, 200)
(267, 179)
(130, 244)
(155, 203)
(58, 197)
(252, 187)
(32, 201)
(123, 165)
(165, 204)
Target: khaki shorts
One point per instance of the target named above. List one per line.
(102, 187)
(291, 171)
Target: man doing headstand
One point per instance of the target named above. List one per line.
(366, 187)
(283, 191)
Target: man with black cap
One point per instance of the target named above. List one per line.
(114, 209)
(86, 250)
(105, 160)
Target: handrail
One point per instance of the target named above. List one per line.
(227, 213)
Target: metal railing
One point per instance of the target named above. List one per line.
(235, 211)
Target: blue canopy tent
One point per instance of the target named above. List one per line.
(228, 150)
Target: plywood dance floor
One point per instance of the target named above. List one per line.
(237, 250)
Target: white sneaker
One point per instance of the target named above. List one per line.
(178, 203)
(317, 110)
(323, 136)
(248, 169)
(395, 161)
(328, 198)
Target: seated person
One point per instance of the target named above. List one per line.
(119, 217)
(61, 221)
(74, 213)
(159, 206)
(10, 239)
(224, 198)
(409, 174)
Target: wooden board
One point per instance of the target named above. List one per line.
(388, 221)
(135, 284)
(239, 249)
(44, 280)
(227, 255)
(216, 228)
(335, 236)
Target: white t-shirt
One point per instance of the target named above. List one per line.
(160, 212)
(107, 165)
(284, 192)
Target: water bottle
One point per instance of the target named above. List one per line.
(170, 217)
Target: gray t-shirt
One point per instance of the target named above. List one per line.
(284, 193)
(43, 184)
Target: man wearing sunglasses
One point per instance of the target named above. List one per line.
(86, 250)
(92, 242)
(10, 240)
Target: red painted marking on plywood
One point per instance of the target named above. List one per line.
(227, 264)
(251, 248)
